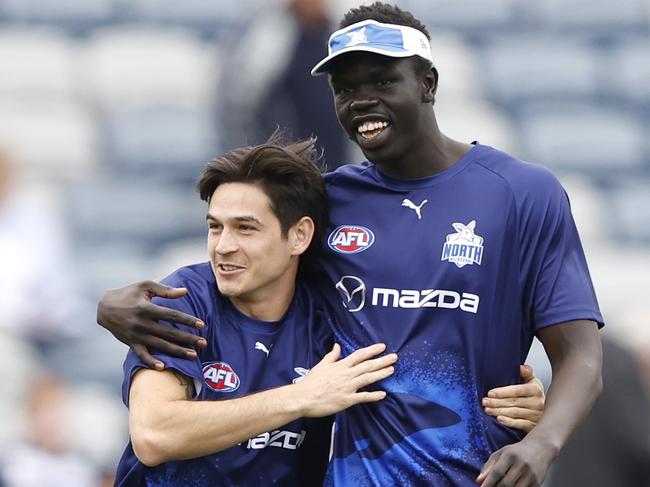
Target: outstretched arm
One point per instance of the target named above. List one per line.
(132, 318)
(165, 424)
(575, 353)
(518, 406)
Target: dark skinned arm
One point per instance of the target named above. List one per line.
(132, 318)
(575, 352)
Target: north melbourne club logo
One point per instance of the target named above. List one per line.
(220, 377)
(463, 247)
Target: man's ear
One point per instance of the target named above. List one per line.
(301, 234)
(430, 85)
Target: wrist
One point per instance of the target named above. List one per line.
(294, 400)
(545, 441)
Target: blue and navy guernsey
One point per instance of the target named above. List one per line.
(243, 356)
(456, 273)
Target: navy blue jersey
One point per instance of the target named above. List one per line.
(455, 272)
(243, 356)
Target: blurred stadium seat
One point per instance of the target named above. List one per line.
(202, 15)
(135, 65)
(583, 137)
(630, 211)
(37, 63)
(471, 17)
(53, 140)
(122, 212)
(161, 143)
(591, 17)
(72, 14)
(470, 119)
(524, 68)
(456, 63)
(629, 72)
(110, 264)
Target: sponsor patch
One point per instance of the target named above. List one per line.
(220, 377)
(350, 239)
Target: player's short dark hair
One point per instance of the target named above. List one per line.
(391, 14)
(288, 174)
(384, 13)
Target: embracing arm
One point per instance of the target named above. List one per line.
(575, 352)
(133, 319)
(165, 424)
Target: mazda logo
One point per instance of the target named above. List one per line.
(353, 291)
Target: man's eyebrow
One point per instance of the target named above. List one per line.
(248, 218)
(243, 218)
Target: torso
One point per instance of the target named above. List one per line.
(246, 356)
(434, 268)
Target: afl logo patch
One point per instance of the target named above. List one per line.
(350, 239)
(220, 377)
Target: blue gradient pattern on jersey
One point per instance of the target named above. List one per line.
(431, 429)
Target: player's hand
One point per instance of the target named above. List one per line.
(333, 384)
(132, 318)
(518, 406)
(523, 463)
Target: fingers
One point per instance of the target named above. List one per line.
(494, 476)
(333, 355)
(174, 335)
(515, 413)
(167, 348)
(487, 468)
(364, 354)
(372, 377)
(373, 396)
(157, 313)
(535, 403)
(153, 288)
(526, 372)
(372, 365)
(143, 354)
(514, 391)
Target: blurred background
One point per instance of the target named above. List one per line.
(110, 108)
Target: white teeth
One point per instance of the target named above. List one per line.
(370, 126)
(227, 267)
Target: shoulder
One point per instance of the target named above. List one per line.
(201, 287)
(525, 180)
(195, 274)
(347, 172)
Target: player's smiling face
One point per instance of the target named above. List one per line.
(250, 257)
(381, 104)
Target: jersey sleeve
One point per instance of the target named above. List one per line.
(555, 275)
(190, 304)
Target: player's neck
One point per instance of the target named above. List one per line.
(270, 303)
(435, 153)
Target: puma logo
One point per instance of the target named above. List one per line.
(261, 347)
(417, 208)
